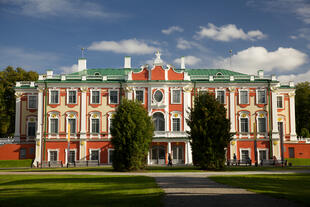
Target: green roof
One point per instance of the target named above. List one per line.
(213, 72)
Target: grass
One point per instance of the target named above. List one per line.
(290, 186)
(15, 163)
(78, 190)
(299, 161)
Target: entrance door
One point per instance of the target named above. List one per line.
(158, 153)
(178, 154)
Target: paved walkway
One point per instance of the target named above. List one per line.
(196, 189)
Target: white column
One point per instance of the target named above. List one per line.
(17, 116)
(83, 116)
(292, 116)
(169, 147)
(232, 109)
(186, 153)
(39, 127)
(148, 158)
(275, 131)
(189, 153)
(187, 106)
(129, 92)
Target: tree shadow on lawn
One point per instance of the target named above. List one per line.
(77, 191)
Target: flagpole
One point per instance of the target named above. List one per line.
(68, 151)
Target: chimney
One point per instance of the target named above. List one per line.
(182, 62)
(81, 64)
(127, 62)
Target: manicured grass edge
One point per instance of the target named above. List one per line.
(15, 163)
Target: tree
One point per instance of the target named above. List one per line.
(209, 132)
(302, 106)
(132, 131)
(8, 78)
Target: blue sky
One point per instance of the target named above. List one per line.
(272, 35)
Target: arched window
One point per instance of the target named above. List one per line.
(159, 121)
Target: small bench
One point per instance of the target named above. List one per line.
(49, 164)
(86, 163)
(247, 162)
(274, 163)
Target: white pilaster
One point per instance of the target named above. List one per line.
(232, 109)
(17, 116)
(39, 127)
(169, 147)
(189, 153)
(292, 116)
(275, 131)
(83, 116)
(187, 106)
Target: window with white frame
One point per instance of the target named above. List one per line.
(95, 125)
(244, 122)
(159, 121)
(261, 96)
(31, 129)
(245, 154)
(72, 155)
(53, 155)
(280, 102)
(53, 124)
(94, 154)
(22, 153)
(262, 154)
(220, 96)
(176, 96)
(72, 96)
(54, 97)
(32, 102)
(110, 122)
(243, 97)
(72, 123)
(113, 97)
(261, 123)
(95, 97)
(140, 95)
(176, 124)
(110, 156)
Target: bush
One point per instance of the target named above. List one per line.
(132, 131)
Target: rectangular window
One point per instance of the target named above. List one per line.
(95, 97)
(262, 155)
(176, 124)
(244, 97)
(113, 97)
(244, 154)
(244, 125)
(111, 153)
(72, 97)
(291, 152)
(53, 156)
(31, 129)
(176, 96)
(261, 97)
(72, 123)
(31, 151)
(140, 95)
(54, 97)
(95, 125)
(54, 126)
(262, 124)
(94, 155)
(71, 156)
(279, 102)
(32, 102)
(220, 96)
(22, 153)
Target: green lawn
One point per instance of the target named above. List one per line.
(290, 186)
(299, 161)
(15, 163)
(78, 190)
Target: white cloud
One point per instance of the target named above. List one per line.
(308, 46)
(183, 44)
(69, 69)
(130, 46)
(295, 77)
(43, 8)
(254, 58)
(189, 60)
(293, 37)
(27, 59)
(172, 29)
(228, 33)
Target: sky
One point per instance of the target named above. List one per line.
(240, 35)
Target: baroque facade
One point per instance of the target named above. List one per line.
(261, 111)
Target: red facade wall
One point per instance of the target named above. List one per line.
(12, 151)
(302, 150)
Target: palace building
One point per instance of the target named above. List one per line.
(261, 111)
